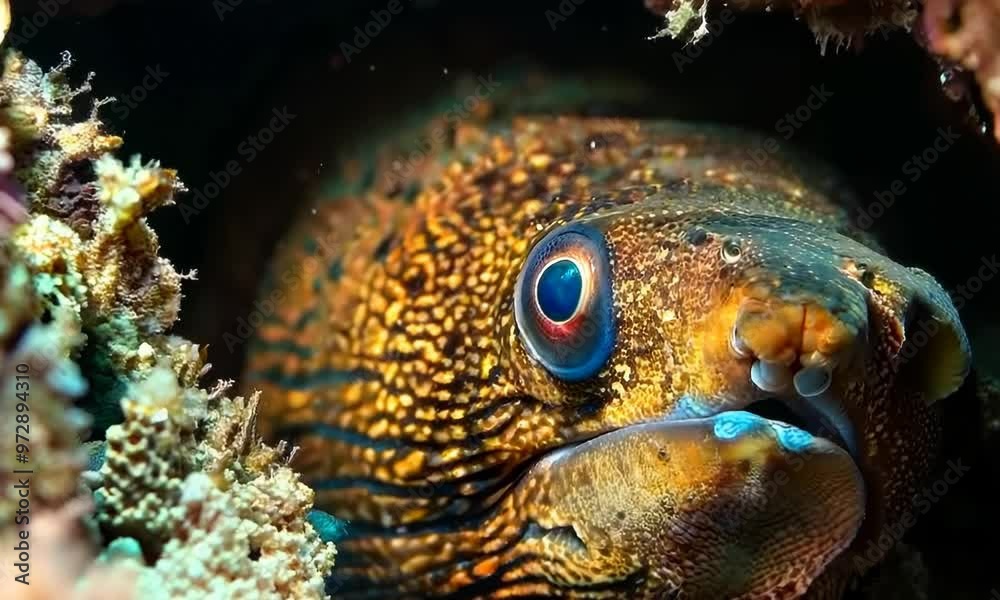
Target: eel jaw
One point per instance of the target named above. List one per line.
(731, 506)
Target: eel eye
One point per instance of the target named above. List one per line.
(563, 303)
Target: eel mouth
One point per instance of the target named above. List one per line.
(786, 351)
(762, 504)
(819, 418)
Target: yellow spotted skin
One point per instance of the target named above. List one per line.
(463, 466)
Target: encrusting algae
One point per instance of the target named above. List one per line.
(142, 483)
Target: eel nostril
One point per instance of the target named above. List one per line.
(770, 377)
(738, 346)
(812, 381)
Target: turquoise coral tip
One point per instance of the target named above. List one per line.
(328, 527)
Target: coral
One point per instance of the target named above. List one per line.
(93, 255)
(145, 459)
(62, 561)
(47, 142)
(222, 513)
(238, 529)
(52, 252)
(681, 17)
(237, 522)
(121, 262)
(39, 384)
(959, 32)
(965, 31)
(94, 259)
(830, 21)
(189, 501)
(234, 434)
(250, 541)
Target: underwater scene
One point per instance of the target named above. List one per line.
(405, 299)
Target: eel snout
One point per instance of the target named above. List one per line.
(830, 327)
(732, 506)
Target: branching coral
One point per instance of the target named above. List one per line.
(37, 107)
(121, 261)
(235, 525)
(93, 253)
(189, 501)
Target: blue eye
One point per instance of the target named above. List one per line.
(563, 303)
(559, 289)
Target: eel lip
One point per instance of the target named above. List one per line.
(763, 505)
(821, 415)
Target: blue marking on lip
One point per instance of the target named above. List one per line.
(731, 425)
(793, 439)
(689, 407)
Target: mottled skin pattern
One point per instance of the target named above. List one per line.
(394, 361)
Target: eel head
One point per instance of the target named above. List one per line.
(743, 395)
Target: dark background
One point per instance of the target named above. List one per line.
(226, 76)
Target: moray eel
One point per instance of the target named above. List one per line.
(587, 358)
